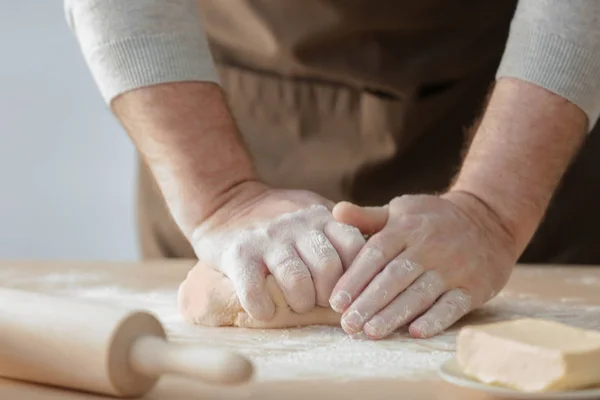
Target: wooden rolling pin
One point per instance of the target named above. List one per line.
(99, 348)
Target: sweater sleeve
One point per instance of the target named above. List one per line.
(556, 45)
(136, 43)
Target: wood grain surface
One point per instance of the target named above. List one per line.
(304, 363)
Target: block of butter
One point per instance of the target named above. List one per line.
(530, 355)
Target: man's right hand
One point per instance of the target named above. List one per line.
(290, 234)
(238, 225)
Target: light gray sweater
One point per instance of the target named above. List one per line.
(129, 44)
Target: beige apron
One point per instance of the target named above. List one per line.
(356, 100)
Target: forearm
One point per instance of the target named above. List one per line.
(526, 139)
(153, 66)
(188, 138)
(545, 100)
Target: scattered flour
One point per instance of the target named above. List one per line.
(74, 278)
(315, 352)
(585, 280)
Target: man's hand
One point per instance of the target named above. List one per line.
(238, 225)
(289, 234)
(433, 259)
(430, 261)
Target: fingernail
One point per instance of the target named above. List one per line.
(419, 329)
(375, 327)
(353, 322)
(340, 302)
(424, 328)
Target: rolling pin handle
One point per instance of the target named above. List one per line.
(153, 356)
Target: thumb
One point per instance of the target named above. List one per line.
(368, 220)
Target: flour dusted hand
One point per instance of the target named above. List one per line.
(430, 261)
(288, 234)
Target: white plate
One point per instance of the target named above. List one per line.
(451, 372)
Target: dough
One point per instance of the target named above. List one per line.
(206, 297)
(530, 355)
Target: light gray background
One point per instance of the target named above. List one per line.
(67, 168)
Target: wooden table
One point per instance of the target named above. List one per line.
(305, 363)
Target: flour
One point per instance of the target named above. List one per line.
(320, 246)
(337, 360)
(348, 228)
(585, 280)
(404, 266)
(316, 352)
(372, 256)
(313, 352)
(73, 278)
(571, 300)
(293, 247)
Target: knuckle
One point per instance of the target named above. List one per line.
(319, 218)
(399, 268)
(291, 265)
(418, 289)
(401, 315)
(272, 230)
(454, 312)
(377, 241)
(371, 257)
(284, 258)
(398, 202)
(278, 230)
(319, 244)
(240, 250)
(329, 265)
(348, 236)
(407, 203)
(296, 278)
(391, 275)
(431, 324)
(348, 229)
(404, 314)
(459, 301)
(354, 241)
(409, 222)
(453, 308)
(376, 245)
(428, 286)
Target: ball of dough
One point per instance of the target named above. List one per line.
(206, 297)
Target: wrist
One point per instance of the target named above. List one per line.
(524, 144)
(228, 206)
(198, 203)
(484, 214)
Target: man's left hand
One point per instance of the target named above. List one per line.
(430, 260)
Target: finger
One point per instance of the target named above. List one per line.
(248, 279)
(368, 220)
(346, 239)
(323, 261)
(417, 298)
(397, 275)
(293, 278)
(380, 249)
(452, 306)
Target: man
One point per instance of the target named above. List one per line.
(364, 104)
